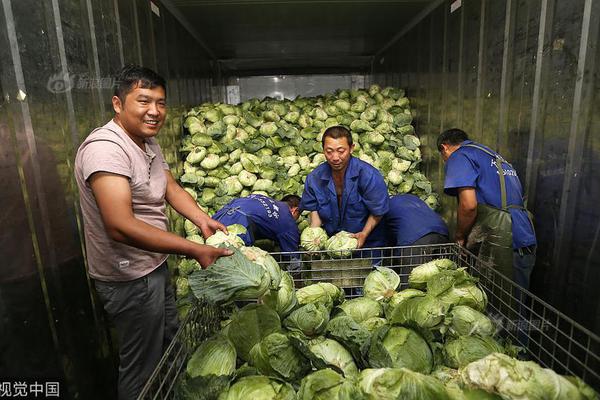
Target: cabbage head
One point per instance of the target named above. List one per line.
(326, 384)
(247, 178)
(258, 387)
(220, 239)
(323, 292)
(313, 239)
(333, 353)
(514, 379)
(352, 336)
(275, 356)
(341, 245)
(399, 297)
(464, 320)
(211, 161)
(361, 308)
(373, 323)
(465, 349)
(230, 278)
(421, 274)
(187, 265)
(214, 356)
(400, 347)
(381, 283)
(425, 311)
(309, 320)
(265, 260)
(283, 300)
(400, 383)
(196, 155)
(250, 325)
(394, 177)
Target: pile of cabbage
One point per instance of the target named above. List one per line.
(428, 341)
(269, 146)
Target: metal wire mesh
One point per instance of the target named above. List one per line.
(201, 322)
(549, 337)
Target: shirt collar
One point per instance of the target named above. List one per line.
(351, 170)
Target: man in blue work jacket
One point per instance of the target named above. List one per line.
(491, 212)
(264, 218)
(410, 221)
(346, 193)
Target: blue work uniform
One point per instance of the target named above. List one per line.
(264, 218)
(471, 167)
(365, 193)
(409, 219)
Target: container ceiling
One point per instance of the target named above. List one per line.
(284, 36)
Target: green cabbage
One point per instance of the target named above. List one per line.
(275, 356)
(381, 284)
(326, 384)
(400, 383)
(257, 387)
(250, 325)
(309, 320)
(400, 347)
(230, 278)
(283, 300)
(341, 245)
(361, 308)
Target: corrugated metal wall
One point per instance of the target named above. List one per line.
(56, 63)
(520, 76)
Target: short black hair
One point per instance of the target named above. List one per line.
(336, 132)
(452, 136)
(132, 76)
(292, 200)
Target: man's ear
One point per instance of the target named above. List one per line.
(117, 105)
(295, 212)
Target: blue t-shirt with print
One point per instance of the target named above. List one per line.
(265, 217)
(472, 167)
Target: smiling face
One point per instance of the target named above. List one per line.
(141, 113)
(337, 152)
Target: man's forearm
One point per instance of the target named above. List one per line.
(465, 219)
(371, 223)
(140, 234)
(315, 220)
(185, 205)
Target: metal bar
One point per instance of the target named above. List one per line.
(507, 66)
(544, 36)
(74, 144)
(95, 56)
(136, 28)
(461, 78)
(444, 72)
(119, 34)
(480, 74)
(418, 18)
(583, 97)
(152, 38)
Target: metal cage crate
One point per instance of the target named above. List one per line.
(549, 337)
(201, 322)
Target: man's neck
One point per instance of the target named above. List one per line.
(138, 141)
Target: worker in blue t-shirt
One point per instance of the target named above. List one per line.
(264, 218)
(491, 212)
(346, 193)
(410, 221)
